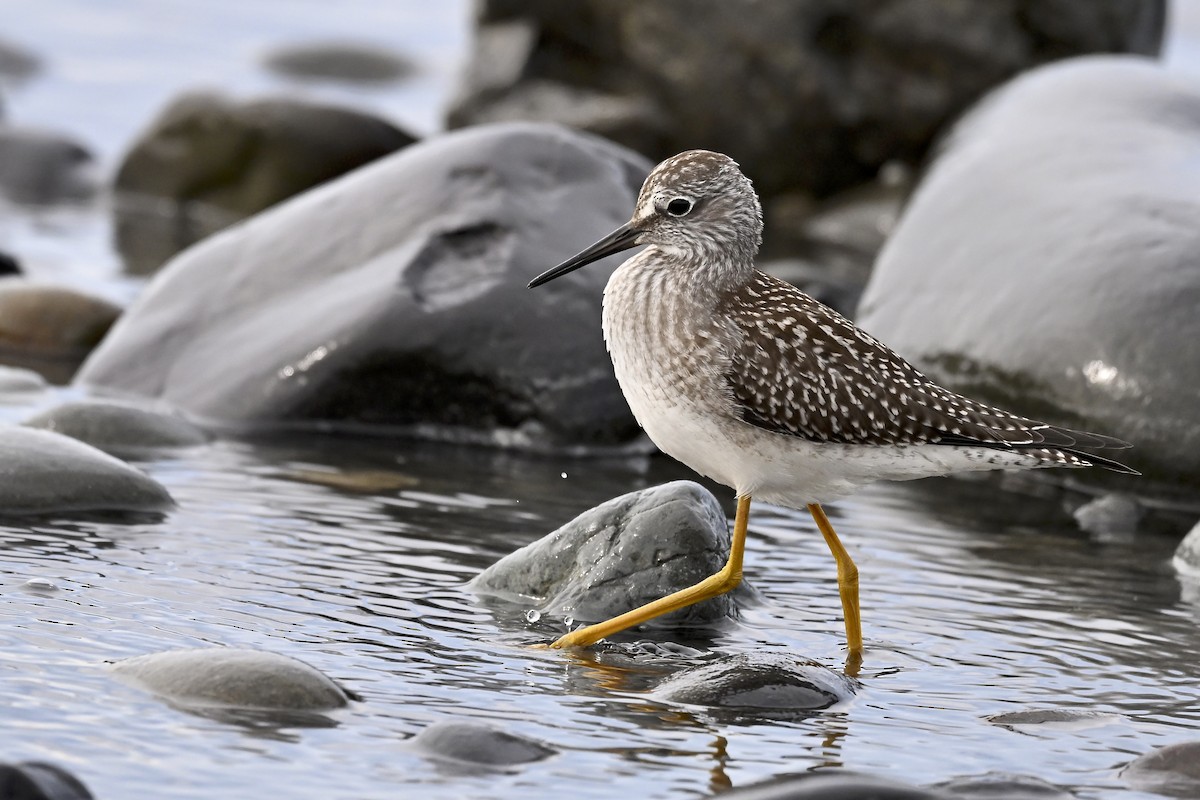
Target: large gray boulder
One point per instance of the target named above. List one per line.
(811, 95)
(45, 473)
(1048, 260)
(396, 296)
(622, 554)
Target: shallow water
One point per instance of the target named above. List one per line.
(977, 601)
(352, 554)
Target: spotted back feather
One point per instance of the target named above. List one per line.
(801, 369)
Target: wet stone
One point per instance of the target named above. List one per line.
(1007, 276)
(760, 685)
(347, 62)
(50, 329)
(1001, 786)
(1111, 517)
(1173, 771)
(219, 676)
(14, 380)
(117, 428)
(34, 780)
(43, 473)
(831, 785)
(396, 298)
(1187, 554)
(1055, 718)
(622, 554)
(473, 743)
(40, 167)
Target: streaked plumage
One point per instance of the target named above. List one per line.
(755, 384)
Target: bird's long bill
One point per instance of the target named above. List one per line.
(622, 238)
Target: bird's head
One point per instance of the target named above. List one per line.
(696, 206)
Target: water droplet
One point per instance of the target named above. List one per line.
(569, 621)
(533, 615)
(564, 474)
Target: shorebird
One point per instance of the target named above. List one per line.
(751, 382)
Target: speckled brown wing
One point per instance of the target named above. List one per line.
(800, 368)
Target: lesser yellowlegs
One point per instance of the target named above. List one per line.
(756, 385)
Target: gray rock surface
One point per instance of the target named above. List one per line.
(621, 554)
(808, 94)
(1187, 554)
(1001, 786)
(1110, 517)
(1047, 265)
(39, 166)
(119, 429)
(226, 676)
(1173, 770)
(14, 380)
(830, 785)
(43, 473)
(50, 329)
(9, 265)
(347, 62)
(477, 744)
(34, 780)
(397, 297)
(214, 161)
(757, 685)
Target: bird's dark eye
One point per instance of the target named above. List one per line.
(679, 207)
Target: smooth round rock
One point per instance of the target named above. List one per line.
(39, 166)
(9, 265)
(479, 744)
(14, 380)
(759, 684)
(118, 428)
(347, 62)
(221, 676)
(830, 785)
(1187, 554)
(209, 161)
(34, 780)
(1111, 516)
(1068, 719)
(1048, 266)
(50, 329)
(1001, 786)
(43, 473)
(1173, 771)
(396, 298)
(835, 89)
(622, 554)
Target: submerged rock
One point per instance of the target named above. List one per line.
(758, 685)
(38, 166)
(118, 428)
(1046, 265)
(1187, 554)
(215, 161)
(226, 676)
(1173, 771)
(396, 297)
(830, 785)
(835, 89)
(349, 62)
(1110, 517)
(477, 744)
(44, 473)
(33, 780)
(50, 329)
(626, 552)
(1000, 786)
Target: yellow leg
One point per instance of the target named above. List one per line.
(847, 579)
(720, 583)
